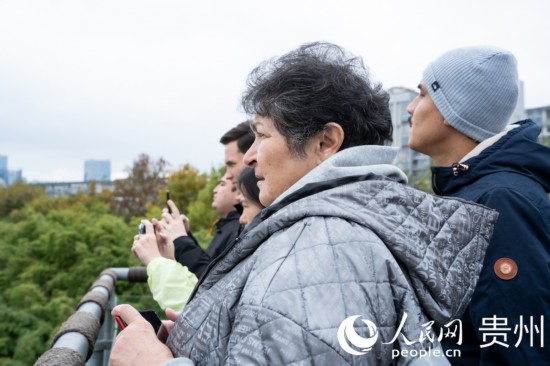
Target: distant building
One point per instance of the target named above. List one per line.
(58, 189)
(97, 173)
(414, 162)
(97, 170)
(4, 177)
(8, 177)
(541, 116)
(14, 176)
(519, 113)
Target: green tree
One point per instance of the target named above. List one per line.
(201, 214)
(51, 251)
(16, 196)
(145, 179)
(421, 180)
(184, 185)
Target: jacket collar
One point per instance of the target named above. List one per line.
(504, 153)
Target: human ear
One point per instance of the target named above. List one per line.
(330, 140)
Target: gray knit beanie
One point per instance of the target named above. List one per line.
(475, 89)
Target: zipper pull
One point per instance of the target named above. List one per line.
(457, 168)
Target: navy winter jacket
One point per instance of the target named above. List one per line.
(513, 177)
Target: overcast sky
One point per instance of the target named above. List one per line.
(112, 79)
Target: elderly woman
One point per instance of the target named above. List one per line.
(342, 237)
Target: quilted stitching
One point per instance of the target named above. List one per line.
(320, 249)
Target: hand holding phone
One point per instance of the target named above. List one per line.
(121, 323)
(141, 227)
(152, 318)
(148, 315)
(137, 343)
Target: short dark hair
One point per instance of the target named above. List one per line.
(248, 185)
(315, 84)
(240, 133)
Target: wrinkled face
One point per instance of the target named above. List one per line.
(428, 132)
(225, 197)
(250, 210)
(275, 166)
(234, 164)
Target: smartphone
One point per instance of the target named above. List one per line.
(167, 198)
(121, 323)
(152, 318)
(149, 315)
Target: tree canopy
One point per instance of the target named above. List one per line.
(52, 249)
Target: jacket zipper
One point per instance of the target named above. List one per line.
(457, 168)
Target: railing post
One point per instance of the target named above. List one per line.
(106, 336)
(89, 333)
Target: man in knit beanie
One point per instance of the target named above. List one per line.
(460, 119)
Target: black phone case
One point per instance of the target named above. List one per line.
(152, 318)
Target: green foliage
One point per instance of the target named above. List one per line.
(49, 257)
(201, 214)
(184, 186)
(16, 196)
(187, 182)
(53, 249)
(421, 180)
(145, 179)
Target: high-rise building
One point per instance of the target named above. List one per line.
(4, 176)
(519, 113)
(8, 177)
(97, 170)
(14, 176)
(541, 116)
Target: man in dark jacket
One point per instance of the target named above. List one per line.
(459, 119)
(227, 228)
(187, 251)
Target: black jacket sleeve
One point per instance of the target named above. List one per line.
(188, 253)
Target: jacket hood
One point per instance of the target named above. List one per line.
(515, 152)
(439, 242)
(358, 160)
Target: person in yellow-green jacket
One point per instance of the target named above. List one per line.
(170, 282)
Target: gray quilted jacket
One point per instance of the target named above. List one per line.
(348, 239)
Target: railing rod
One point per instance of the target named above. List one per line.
(74, 343)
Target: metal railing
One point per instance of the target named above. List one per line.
(86, 337)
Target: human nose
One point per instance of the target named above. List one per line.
(243, 220)
(412, 106)
(249, 157)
